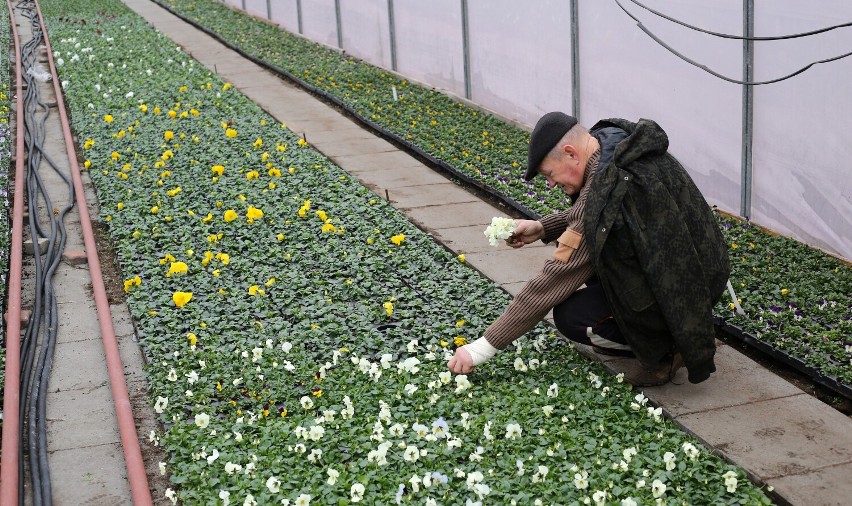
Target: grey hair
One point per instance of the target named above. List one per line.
(573, 137)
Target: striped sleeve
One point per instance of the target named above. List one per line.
(557, 281)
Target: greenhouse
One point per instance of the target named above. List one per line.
(269, 252)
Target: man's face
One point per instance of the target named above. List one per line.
(563, 171)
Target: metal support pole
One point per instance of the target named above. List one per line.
(575, 60)
(466, 49)
(299, 16)
(269, 10)
(339, 24)
(244, 4)
(748, 108)
(392, 30)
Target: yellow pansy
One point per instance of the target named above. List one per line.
(231, 215)
(328, 227)
(252, 174)
(181, 298)
(321, 214)
(218, 169)
(258, 143)
(397, 239)
(388, 308)
(253, 213)
(168, 135)
(130, 283)
(177, 268)
(231, 133)
(108, 118)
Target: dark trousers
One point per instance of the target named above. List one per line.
(585, 317)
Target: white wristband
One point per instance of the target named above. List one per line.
(480, 351)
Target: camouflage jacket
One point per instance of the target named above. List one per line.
(657, 250)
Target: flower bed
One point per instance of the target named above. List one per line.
(491, 152)
(297, 327)
(5, 168)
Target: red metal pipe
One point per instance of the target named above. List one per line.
(11, 392)
(139, 488)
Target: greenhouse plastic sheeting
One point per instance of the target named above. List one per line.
(319, 21)
(257, 8)
(626, 74)
(429, 42)
(366, 32)
(286, 14)
(802, 141)
(521, 57)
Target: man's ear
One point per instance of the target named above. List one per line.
(571, 152)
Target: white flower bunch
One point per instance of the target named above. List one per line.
(500, 229)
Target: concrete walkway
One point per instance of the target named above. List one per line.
(779, 434)
(85, 454)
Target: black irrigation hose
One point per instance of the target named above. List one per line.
(707, 69)
(376, 128)
(740, 37)
(44, 319)
(751, 341)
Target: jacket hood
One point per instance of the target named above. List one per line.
(643, 139)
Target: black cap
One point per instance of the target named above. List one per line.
(547, 132)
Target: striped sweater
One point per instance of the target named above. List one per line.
(558, 279)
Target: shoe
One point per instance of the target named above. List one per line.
(660, 376)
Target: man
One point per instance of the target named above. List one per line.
(640, 261)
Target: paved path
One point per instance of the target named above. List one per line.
(85, 454)
(779, 434)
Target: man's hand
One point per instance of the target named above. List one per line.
(526, 232)
(461, 363)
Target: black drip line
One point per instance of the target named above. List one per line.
(35, 373)
(707, 69)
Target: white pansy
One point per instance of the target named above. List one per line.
(273, 484)
(657, 413)
(316, 432)
(440, 428)
(232, 468)
(730, 481)
(553, 390)
(249, 501)
(191, 377)
(202, 420)
(520, 464)
(519, 365)
(410, 365)
(306, 402)
(669, 459)
(540, 474)
(629, 502)
(213, 456)
(172, 376)
(658, 488)
(171, 495)
(303, 500)
(581, 480)
(462, 383)
(548, 410)
(513, 431)
(410, 389)
(162, 466)
(396, 430)
(445, 377)
(356, 492)
(412, 345)
(225, 496)
(629, 453)
(499, 229)
(411, 454)
(599, 497)
(315, 455)
(285, 346)
(333, 475)
(691, 451)
(161, 404)
(256, 354)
